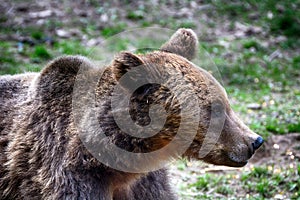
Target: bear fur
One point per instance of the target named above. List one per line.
(42, 155)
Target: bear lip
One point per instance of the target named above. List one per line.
(240, 164)
(237, 162)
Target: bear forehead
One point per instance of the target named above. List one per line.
(201, 81)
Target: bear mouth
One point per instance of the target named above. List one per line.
(229, 162)
(238, 161)
(227, 159)
(239, 164)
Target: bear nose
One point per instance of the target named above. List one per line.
(257, 143)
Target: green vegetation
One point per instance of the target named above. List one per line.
(252, 77)
(13, 55)
(264, 182)
(280, 17)
(110, 31)
(41, 52)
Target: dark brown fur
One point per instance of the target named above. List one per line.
(42, 156)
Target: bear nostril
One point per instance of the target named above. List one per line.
(258, 142)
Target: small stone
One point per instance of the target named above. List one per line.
(240, 26)
(270, 15)
(62, 33)
(274, 55)
(41, 14)
(253, 30)
(20, 47)
(193, 4)
(40, 22)
(254, 106)
(104, 18)
(280, 39)
(279, 196)
(183, 12)
(224, 43)
(92, 42)
(254, 15)
(276, 146)
(239, 34)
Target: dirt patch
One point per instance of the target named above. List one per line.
(53, 17)
(279, 150)
(279, 153)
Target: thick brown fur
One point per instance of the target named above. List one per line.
(42, 156)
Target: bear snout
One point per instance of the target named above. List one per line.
(245, 152)
(240, 154)
(249, 141)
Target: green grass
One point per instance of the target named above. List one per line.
(14, 60)
(38, 35)
(262, 182)
(112, 30)
(8, 62)
(136, 15)
(41, 52)
(279, 113)
(278, 17)
(71, 47)
(267, 182)
(251, 77)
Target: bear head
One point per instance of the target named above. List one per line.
(161, 86)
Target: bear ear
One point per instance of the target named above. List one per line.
(67, 65)
(58, 77)
(123, 62)
(183, 42)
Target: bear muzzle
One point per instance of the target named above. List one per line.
(242, 153)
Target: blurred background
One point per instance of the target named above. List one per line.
(254, 44)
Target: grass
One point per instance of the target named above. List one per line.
(41, 52)
(205, 182)
(71, 47)
(112, 30)
(263, 182)
(251, 77)
(268, 181)
(136, 15)
(279, 17)
(14, 55)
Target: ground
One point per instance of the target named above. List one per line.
(255, 46)
(271, 174)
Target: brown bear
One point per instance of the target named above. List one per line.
(43, 155)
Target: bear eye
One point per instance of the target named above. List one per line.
(217, 109)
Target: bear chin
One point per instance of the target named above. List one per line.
(238, 164)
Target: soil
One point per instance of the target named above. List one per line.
(67, 19)
(279, 152)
